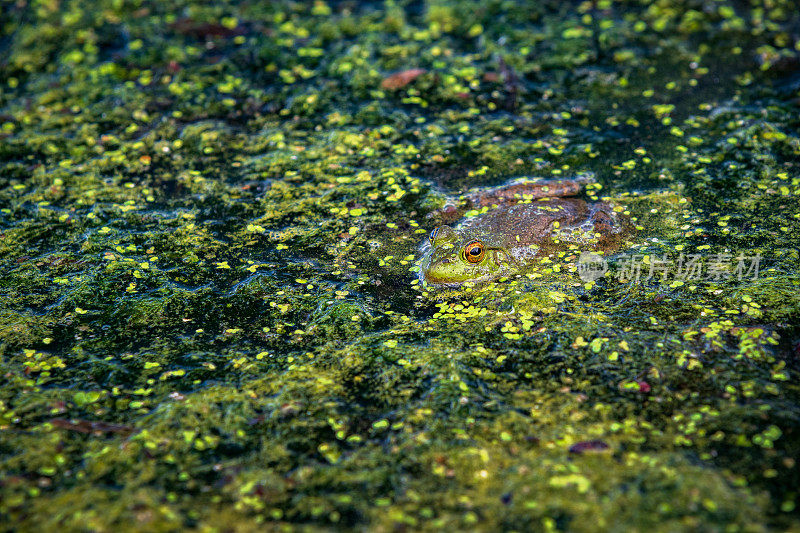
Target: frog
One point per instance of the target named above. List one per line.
(513, 225)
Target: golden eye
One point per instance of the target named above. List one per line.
(474, 252)
(434, 233)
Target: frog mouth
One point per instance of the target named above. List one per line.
(427, 275)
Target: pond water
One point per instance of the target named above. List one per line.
(211, 314)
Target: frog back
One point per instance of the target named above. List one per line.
(528, 223)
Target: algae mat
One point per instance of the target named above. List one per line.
(211, 319)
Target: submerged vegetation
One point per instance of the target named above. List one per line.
(210, 313)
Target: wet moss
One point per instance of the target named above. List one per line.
(210, 315)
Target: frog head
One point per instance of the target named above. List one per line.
(450, 258)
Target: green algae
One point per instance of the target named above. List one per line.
(210, 221)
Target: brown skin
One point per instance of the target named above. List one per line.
(514, 192)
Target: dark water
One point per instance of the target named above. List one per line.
(210, 217)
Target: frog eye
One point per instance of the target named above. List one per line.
(434, 234)
(474, 252)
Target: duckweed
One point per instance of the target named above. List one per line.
(210, 316)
